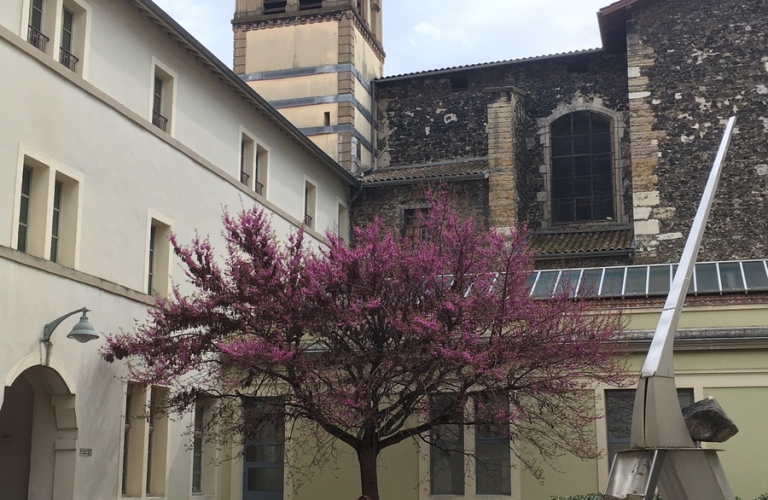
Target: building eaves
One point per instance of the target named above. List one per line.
(472, 169)
(582, 243)
(510, 62)
(612, 20)
(176, 31)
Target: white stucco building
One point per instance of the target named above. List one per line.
(117, 127)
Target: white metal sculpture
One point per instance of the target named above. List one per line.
(661, 449)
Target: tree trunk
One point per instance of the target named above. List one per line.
(369, 479)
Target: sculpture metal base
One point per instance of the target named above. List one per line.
(680, 473)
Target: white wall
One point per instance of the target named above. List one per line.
(97, 131)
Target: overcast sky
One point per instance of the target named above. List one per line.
(430, 34)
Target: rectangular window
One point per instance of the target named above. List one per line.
(162, 102)
(260, 171)
(263, 471)
(446, 452)
(157, 443)
(618, 416)
(492, 454)
(310, 200)
(152, 232)
(35, 32)
(56, 221)
(197, 450)
(342, 230)
(133, 439)
(24, 209)
(274, 6)
(253, 164)
(413, 223)
(66, 51)
(158, 258)
(158, 120)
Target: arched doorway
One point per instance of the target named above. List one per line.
(38, 434)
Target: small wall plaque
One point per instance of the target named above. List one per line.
(86, 452)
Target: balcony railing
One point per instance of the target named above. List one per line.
(307, 220)
(36, 38)
(68, 59)
(159, 120)
(259, 188)
(244, 176)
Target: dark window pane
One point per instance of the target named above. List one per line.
(569, 280)
(265, 479)
(588, 136)
(636, 279)
(562, 168)
(561, 146)
(582, 165)
(545, 285)
(581, 144)
(658, 283)
(590, 282)
(600, 126)
(706, 278)
(562, 127)
(564, 211)
(446, 454)
(601, 144)
(756, 276)
(563, 188)
(530, 281)
(612, 282)
(730, 277)
(584, 210)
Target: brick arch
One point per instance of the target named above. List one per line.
(618, 124)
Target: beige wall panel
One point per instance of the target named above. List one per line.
(311, 116)
(300, 86)
(328, 143)
(709, 360)
(365, 58)
(362, 95)
(569, 475)
(302, 46)
(340, 478)
(10, 15)
(702, 317)
(743, 456)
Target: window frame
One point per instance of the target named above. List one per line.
(159, 255)
(253, 163)
(617, 130)
(590, 156)
(309, 218)
(162, 114)
(45, 175)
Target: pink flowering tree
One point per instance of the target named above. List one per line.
(358, 339)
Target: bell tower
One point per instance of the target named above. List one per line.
(314, 61)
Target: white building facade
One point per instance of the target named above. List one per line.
(116, 128)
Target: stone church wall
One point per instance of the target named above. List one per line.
(427, 119)
(692, 65)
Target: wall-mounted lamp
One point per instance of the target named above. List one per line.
(82, 332)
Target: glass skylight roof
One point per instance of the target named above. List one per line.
(650, 281)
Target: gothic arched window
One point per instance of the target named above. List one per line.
(582, 164)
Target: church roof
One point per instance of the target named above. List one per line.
(582, 243)
(470, 169)
(454, 69)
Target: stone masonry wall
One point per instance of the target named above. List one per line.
(693, 64)
(422, 120)
(468, 198)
